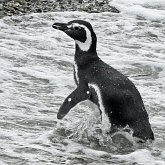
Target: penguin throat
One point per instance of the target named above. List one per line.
(85, 46)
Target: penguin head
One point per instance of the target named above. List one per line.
(81, 31)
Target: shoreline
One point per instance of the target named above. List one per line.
(22, 7)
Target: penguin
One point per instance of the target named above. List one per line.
(112, 92)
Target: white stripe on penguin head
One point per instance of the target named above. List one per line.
(84, 46)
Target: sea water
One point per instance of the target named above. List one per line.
(36, 74)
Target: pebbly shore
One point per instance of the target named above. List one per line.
(21, 7)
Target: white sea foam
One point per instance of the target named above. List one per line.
(148, 9)
(143, 157)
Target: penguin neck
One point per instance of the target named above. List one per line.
(85, 57)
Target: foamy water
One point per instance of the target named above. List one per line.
(36, 75)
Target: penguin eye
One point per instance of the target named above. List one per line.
(77, 28)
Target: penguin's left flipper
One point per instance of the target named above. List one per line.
(80, 94)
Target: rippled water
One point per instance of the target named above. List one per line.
(36, 76)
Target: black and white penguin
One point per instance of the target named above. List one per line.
(111, 91)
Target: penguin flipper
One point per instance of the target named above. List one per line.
(80, 94)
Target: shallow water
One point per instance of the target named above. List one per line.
(36, 76)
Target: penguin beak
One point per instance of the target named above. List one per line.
(60, 26)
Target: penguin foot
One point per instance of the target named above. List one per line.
(122, 139)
